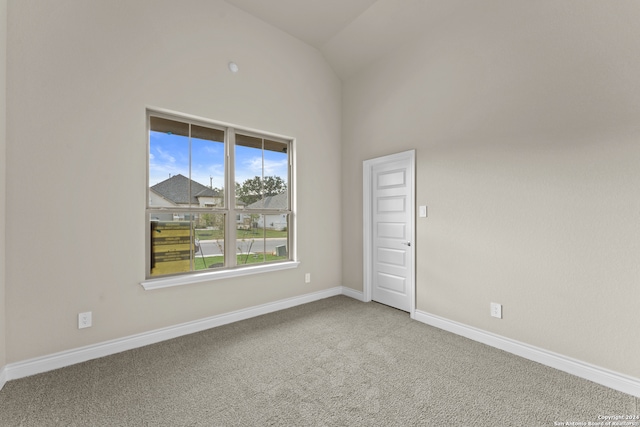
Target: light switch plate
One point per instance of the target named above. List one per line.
(423, 212)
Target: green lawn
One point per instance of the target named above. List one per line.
(213, 261)
(205, 234)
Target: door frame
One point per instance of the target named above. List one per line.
(367, 231)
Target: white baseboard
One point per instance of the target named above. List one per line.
(352, 293)
(575, 367)
(38, 365)
(3, 377)
(605, 377)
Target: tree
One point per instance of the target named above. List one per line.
(256, 188)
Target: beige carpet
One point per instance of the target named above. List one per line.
(335, 362)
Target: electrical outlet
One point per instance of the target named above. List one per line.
(84, 320)
(496, 310)
(307, 278)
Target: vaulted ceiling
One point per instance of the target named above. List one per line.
(352, 33)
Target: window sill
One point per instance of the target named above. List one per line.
(167, 282)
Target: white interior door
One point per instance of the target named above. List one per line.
(391, 249)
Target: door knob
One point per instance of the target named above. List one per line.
(406, 243)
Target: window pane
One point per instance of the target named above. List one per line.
(209, 234)
(168, 163)
(276, 175)
(262, 173)
(171, 243)
(207, 166)
(263, 238)
(248, 168)
(250, 240)
(277, 234)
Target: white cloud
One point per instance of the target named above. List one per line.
(252, 167)
(273, 167)
(165, 155)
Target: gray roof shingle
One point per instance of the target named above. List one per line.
(279, 201)
(176, 190)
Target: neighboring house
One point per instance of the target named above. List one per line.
(174, 192)
(271, 221)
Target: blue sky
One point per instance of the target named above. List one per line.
(169, 155)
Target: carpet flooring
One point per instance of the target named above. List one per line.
(334, 362)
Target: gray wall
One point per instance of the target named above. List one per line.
(3, 164)
(80, 75)
(524, 116)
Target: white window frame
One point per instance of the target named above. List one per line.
(231, 270)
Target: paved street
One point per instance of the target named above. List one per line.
(210, 247)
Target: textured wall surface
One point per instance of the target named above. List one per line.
(80, 76)
(3, 166)
(524, 116)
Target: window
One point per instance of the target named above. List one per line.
(219, 198)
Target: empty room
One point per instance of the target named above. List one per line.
(304, 212)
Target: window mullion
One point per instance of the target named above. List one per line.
(230, 223)
(262, 181)
(291, 226)
(192, 230)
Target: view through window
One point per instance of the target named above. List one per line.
(218, 197)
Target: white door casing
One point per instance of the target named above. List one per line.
(389, 218)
